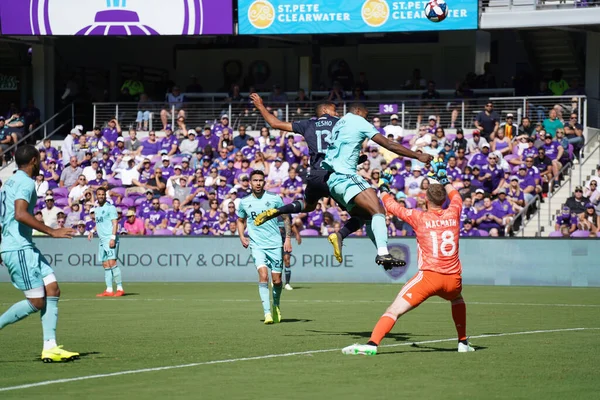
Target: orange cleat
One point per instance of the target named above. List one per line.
(119, 293)
(105, 294)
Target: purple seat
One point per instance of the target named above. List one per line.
(598, 234)
(163, 232)
(483, 233)
(555, 234)
(450, 137)
(139, 201)
(411, 202)
(309, 232)
(510, 157)
(60, 192)
(287, 200)
(176, 160)
(298, 138)
(275, 190)
(570, 150)
(127, 202)
(135, 195)
(61, 202)
(114, 182)
(580, 234)
(119, 190)
(333, 211)
(166, 200)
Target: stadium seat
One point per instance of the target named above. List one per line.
(163, 232)
(114, 182)
(128, 202)
(139, 201)
(309, 232)
(411, 202)
(60, 192)
(61, 202)
(119, 190)
(166, 200)
(580, 234)
(483, 233)
(555, 234)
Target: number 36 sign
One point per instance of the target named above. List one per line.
(388, 108)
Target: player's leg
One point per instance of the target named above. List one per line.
(113, 256)
(287, 270)
(260, 260)
(276, 265)
(452, 291)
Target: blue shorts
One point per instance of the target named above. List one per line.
(27, 268)
(345, 187)
(272, 258)
(105, 253)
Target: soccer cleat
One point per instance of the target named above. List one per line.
(119, 293)
(464, 348)
(288, 287)
(276, 315)
(105, 294)
(388, 261)
(58, 354)
(265, 216)
(358, 349)
(336, 241)
(268, 319)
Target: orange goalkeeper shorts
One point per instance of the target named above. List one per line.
(426, 284)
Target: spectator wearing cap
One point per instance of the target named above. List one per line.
(554, 152)
(133, 145)
(209, 138)
(175, 100)
(86, 161)
(77, 193)
(514, 194)
(526, 183)
(374, 160)
(68, 146)
(277, 174)
(155, 218)
(487, 122)
(566, 219)
(249, 151)
(80, 228)
(151, 146)
(492, 175)
(72, 217)
(489, 219)
(589, 219)
(592, 192)
(413, 182)
(481, 158)
(90, 171)
(577, 202)
(145, 168)
(432, 125)
(393, 128)
(476, 143)
(428, 102)
(69, 175)
(502, 143)
(552, 123)
(106, 163)
(186, 170)
(119, 149)
(50, 212)
(111, 132)
(503, 204)
(292, 185)
(243, 188)
(146, 204)
(459, 141)
(189, 145)
(478, 199)
(41, 186)
(169, 143)
(468, 230)
(222, 188)
(510, 129)
(241, 139)
(218, 128)
(167, 170)
(97, 181)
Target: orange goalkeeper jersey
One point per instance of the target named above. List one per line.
(437, 233)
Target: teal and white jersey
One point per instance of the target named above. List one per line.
(104, 218)
(16, 236)
(266, 236)
(343, 152)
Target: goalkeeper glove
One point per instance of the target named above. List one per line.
(387, 177)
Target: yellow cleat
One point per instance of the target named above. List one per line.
(336, 241)
(276, 314)
(268, 319)
(265, 216)
(57, 354)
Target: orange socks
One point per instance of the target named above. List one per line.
(384, 325)
(459, 315)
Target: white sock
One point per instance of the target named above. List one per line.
(382, 251)
(49, 344)
(120, 287)
(109, 289)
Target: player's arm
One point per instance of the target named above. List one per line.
(269, 118)
(23, 216)
(400, 150)
(287, 226)
(113, 238)
(241, 225)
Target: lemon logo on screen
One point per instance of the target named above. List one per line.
(261, 14)
(375, 12)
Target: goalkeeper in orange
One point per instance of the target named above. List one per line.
(440, 270)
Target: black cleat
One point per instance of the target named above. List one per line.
(388, 261)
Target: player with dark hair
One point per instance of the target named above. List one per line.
(439, 266)
(265, 242)
(29, 270)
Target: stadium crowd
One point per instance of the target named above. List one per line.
(181, 181)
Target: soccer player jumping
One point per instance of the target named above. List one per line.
(28, 268)
(265, 242)
(440, 269)
(108, 248)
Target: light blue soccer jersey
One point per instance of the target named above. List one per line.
(266, 236)
(16, 236)
(104, 218)
(349, 133)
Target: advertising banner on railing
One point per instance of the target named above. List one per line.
(275, 17)
(116, 17)
(177, 259)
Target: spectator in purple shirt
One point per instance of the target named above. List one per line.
(169, 143)
(119, 148)
(155, 218)
(219, 127)
(51, 175)
(51, 152)
(468, 211)
(453, 172)
(206, 230)
(566, 219)
(554, 151)
(98, 181)
(397, 181)
(493, 176)
(229, 173)
(146, 205)
(106, 164)
(208, 138)
(231, 212)
(90, 223)
(221, 226)
(220, 162)
(480, 158)
(504, 207)
(175, 216)
(468, 230)
(315, 218)
(249, 151)
(271, 150)
(526, 183)
(222, 189)
(476, 179)
(151, 145)
(167, 170)
(197, 223)
(292, 185)
(112, 132)
(515, 195)
(245, 171)
(489, 219)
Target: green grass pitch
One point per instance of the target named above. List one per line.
(162, 325)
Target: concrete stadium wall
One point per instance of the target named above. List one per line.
(534, 262)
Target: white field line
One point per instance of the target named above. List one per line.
(297, 353)
(483, 303)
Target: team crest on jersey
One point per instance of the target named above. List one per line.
(268, 204)
(399, 251)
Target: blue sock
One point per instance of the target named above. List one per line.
(263, 291)
(277, 293)
(369, 230)
(116, 274)
(288, 274)
(108, 277)
(50, 318)
(380, 233)
(17, 312)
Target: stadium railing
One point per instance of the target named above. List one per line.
(523, 217)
